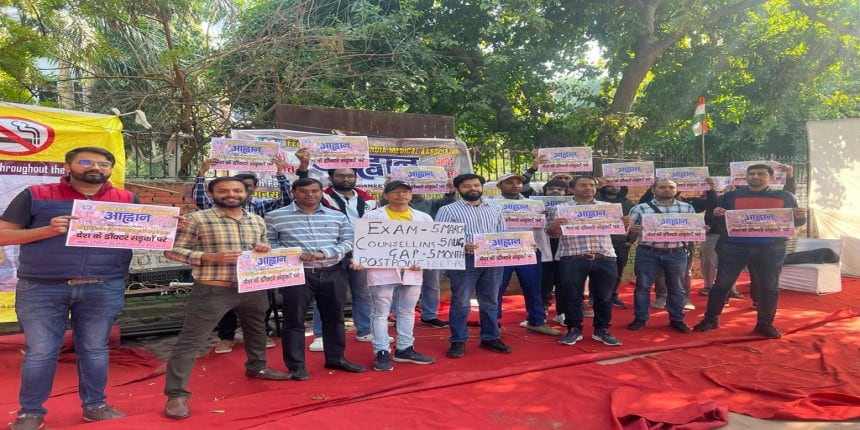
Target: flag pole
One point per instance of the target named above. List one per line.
(704, 164)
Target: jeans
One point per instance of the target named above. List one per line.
(403, 298)
(765, 259)
(361, 301)
(430, 293)
(529, 277)
(549, 281)
(227, 326)
(660, 289)
(673, 265)
(316, 323)
(601, 274)
(709, 260)
(43, 309)
(205, 306)
(485, 283)
(622, 250)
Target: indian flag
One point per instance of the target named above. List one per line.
(700, 123)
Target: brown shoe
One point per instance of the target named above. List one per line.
(177, 408)
(269, 374)
(543, 329)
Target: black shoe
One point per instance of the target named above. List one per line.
(435, 322)
(346, 366)
(636, 324)
(382, 363)
(300, 374)
(735, 295)
(767, 330)
(457, 350)
(616, 301)
(705, 291)
(706, 325)
(680, 326)
(495, 345)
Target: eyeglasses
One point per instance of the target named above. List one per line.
(400, 192)
(86, 164)
(339, 176)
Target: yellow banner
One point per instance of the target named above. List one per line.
(33, 145)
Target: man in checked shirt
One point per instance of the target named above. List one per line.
(212, 241)
(670, 256)
(581, 257)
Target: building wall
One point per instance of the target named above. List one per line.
(165, 193)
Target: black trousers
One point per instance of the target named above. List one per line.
(328, 288)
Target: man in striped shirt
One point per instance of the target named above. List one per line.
(325, 238)
(479, 216)
(212, 241)
(671, 257)
(582, 257)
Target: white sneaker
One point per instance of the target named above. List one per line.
(316, 345)
(369, 338)
(689, 306)
(270, 343)
(559, 319)
(524, 324)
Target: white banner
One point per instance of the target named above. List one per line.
(402, 244)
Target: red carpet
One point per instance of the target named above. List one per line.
(812, 373)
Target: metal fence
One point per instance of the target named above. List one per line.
(155, 156)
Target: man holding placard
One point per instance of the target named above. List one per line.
(57, 282)
(395, 289)
(229, 323)
(212, 242)
(764, 253)
(667, 254)
(584, 256)
(343, 195)
(479, 216)
(529, 276)
(325, 237)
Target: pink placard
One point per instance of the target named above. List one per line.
(122, 225)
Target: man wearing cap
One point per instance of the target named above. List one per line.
(395, 288)
(430, 289)
(479, 216)
(529, 275)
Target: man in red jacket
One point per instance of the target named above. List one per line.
(56, 282)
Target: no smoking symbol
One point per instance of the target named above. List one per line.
(22, 136)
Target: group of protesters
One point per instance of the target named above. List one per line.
(58, 282)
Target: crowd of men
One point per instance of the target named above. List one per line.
(86, 285)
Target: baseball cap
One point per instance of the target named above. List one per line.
(504, 178)
(394, 184)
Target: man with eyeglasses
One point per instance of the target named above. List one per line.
(342, 195)
(57, 282)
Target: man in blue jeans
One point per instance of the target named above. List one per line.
(529, 275)
(56, 281)
(765, 255)
(479, 216)
(671, 257)
(581, 257)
